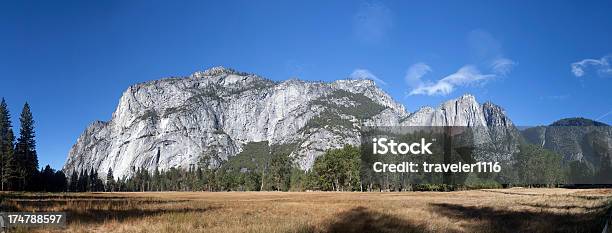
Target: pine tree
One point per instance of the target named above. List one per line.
(92, 181)
(25, 150)
(157, 183)
(46, 177)
(8, 166)
(59, 182)
(82, 181)
(74, 179)
(11, 171)
(4, 121)
(110, 181)
(95, 184)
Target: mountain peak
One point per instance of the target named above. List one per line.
(468, 96)
(213, 71)
(465, 99)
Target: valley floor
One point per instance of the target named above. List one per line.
(500, 210)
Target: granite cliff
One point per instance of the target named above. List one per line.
(172, 122)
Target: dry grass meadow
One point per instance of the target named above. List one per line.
(507, 210)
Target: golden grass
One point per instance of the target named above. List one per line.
(505, 210)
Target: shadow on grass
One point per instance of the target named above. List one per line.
(513, 193)
(487, 219)
(543, 194)
(601, 207)
(361, 219)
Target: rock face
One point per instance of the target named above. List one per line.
(576, 139)
(172, 122)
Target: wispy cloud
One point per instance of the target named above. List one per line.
(466, 76)
(502, 65)
(487, 54)
(488, 50)
(415, 73)
(366, 74)
(602, 66)
(372, 21)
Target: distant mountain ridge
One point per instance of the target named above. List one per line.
(172, 122)
(576, 139)
(577, 121)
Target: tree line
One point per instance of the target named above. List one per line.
(336, 170)
(18, 158)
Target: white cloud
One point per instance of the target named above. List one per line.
(438, 88)
(372, 21)
(466, 76)
(487, 53)
(415, 73)
(502, 65)
(602, 66)
(366, 74)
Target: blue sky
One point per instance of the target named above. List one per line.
(541, 61)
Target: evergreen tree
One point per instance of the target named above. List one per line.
(59, 183)
(8, 166)
(51, 180)
(11, 171)
(157, 180)
(82, 181)
(110, 181)
(25, 150)
(199, 179)
(92, 181)
(4, 125)
(74, 178)
(98, 185)
(46, 177)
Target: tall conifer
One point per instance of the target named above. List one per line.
(8, 166)
(25, 150)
